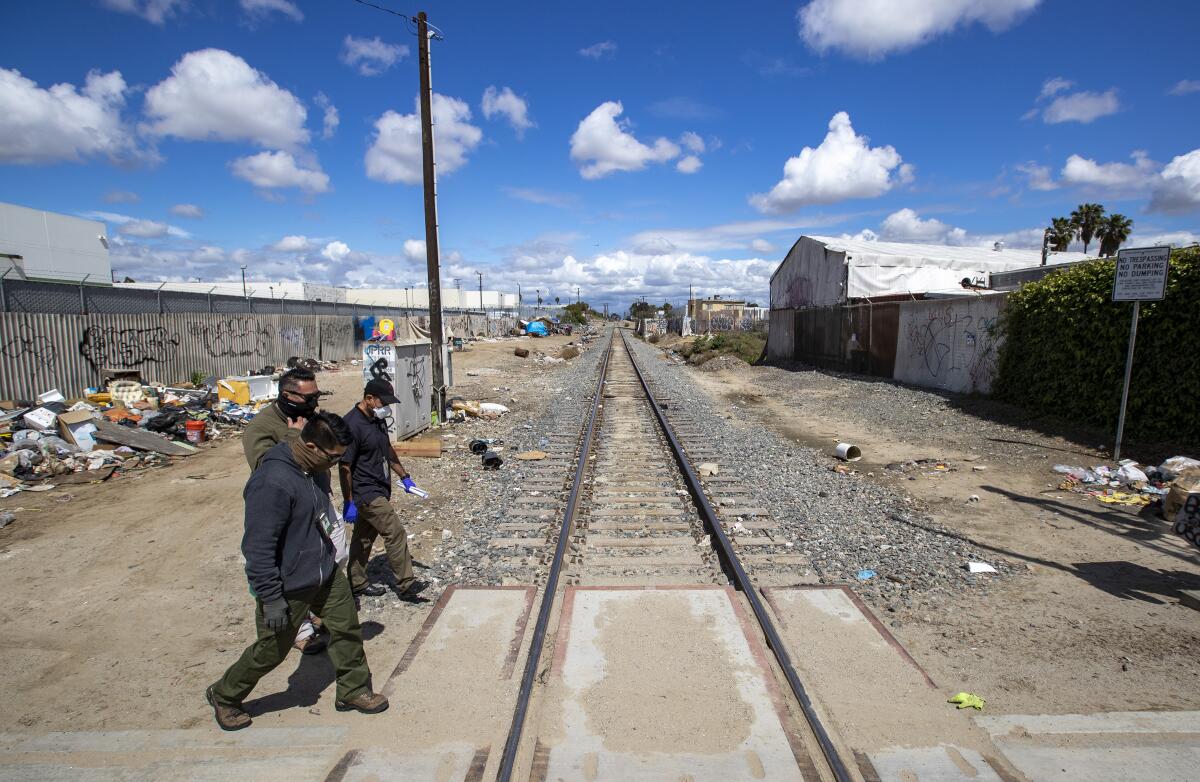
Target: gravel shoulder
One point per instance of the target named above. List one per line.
(1084, 614)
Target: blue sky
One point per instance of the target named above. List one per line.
(628, 148)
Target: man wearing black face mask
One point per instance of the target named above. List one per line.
(291, 568)
(367, 493)
(297, 402)
(298, 397)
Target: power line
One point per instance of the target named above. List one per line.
(437, 34)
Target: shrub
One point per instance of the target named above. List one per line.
(653, 339)
(1065, 344)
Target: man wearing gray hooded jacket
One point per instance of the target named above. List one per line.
(291, 569)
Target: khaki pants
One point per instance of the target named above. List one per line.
(379, 519)
(335, 605)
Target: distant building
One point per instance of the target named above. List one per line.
(37, 245)
(704, 309)
(414, 298)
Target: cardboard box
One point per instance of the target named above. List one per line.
(78, 428)
(1187, 482)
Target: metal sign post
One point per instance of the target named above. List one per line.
(1141, 276)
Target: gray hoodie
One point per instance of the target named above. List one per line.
(286, 545)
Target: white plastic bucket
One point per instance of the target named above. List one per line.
(848, 452)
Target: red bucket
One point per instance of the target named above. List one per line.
(196, 431)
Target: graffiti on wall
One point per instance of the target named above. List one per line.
(946, 340)
(109, 346)
(336, 333)
(29, 346)
(236, 337)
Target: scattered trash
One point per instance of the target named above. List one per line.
(865, 575)
(481, 445)
(1129, 473)
(447, 534)
(6, 518)
(492, 408)
(708, 469)
(848, 452)
(980, 567)
(492, 460)
(966, 700)
(973, 498)
(532, 456)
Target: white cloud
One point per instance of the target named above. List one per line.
(1178, 187)
(1052, 87)
(293, 244)
(761, 246)
(599, 50)
(62, 123)
(689, 165)
(1170, 238)
(692, 142)
(1081, 107)
(330, 120)
(723, 237)
(153, 11)
(121, 197)
(260, 9)
(187, 210)
(843, 166)
(133, 226)
(601, 145)
(336, 251)
(906, 225)
(872, 29)
(508, 104)
(372, 56)
(212, 95)
(1038, 176)
(414, 250)
(1185, 87)
(279, 169)
(395, 152)
(534, 196)
(1084, 172)
(144, 229)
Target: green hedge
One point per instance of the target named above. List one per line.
(1064, 351)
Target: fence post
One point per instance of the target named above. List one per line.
(210, 301)
(3, 296)
(82, 295)
(158, 291)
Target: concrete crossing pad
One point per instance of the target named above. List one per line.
(661, 683)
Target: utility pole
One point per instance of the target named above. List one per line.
(576, 294)
(480, 289)
(244, 294)
(432, 259)
(458, 288)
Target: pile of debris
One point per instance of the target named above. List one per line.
(1174, 485)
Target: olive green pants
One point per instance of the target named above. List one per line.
(379, 518)
(335, 605)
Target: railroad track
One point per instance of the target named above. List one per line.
(622, 502)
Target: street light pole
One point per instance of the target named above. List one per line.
(432, 258)
(480, 290)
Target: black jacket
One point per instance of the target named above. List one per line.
(285, 544)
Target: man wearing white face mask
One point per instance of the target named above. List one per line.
(367, 493)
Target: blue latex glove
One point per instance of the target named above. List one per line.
(350, 512)
(412, 488)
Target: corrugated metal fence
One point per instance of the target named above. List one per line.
(39, 352)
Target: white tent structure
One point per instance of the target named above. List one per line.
(821, 271)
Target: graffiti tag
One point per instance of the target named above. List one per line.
(109, 346)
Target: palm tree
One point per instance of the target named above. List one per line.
(1087, 219)
(1061, 234)
(1113, 231)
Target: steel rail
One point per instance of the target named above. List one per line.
(509, 759)
(742, 581)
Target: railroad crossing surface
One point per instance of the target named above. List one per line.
(673, 637)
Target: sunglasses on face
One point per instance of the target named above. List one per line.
(315, 396)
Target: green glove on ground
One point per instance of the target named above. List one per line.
(966, 700)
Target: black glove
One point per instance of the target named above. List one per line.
(275, 615)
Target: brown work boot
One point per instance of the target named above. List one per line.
(368, 703)
(228, 717)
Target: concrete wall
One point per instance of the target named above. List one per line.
(948, 343)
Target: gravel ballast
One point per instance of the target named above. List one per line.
(843, 522)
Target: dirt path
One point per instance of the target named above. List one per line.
(1094, 623)
(125, 599)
